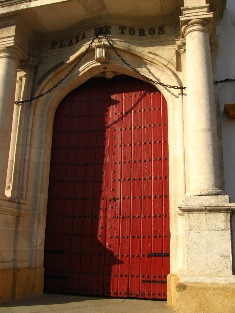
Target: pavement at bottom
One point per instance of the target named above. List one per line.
(55, 303)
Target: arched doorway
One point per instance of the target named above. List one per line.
(107, 227)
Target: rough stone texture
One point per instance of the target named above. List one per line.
(197, 298)
(208, 236)
(194, 298)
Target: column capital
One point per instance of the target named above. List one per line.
(11, 53)
(198, 16)
(197, 24)
(14, 35)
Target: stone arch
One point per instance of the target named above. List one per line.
(44, 108)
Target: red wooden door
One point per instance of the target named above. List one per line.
(107, 227)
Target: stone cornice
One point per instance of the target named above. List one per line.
(209, 203)
(195, 10)
(7, 36)
(228, 207)
(8, 6)
(8, 3)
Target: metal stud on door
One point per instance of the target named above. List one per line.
(108, 200)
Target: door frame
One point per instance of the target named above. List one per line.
(42, 115)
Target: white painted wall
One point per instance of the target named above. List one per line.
(226, 69)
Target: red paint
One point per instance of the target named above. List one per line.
(108, 203)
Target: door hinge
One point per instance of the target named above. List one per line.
(154, 281)
(158, 254)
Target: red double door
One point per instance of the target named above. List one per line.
(107, 229)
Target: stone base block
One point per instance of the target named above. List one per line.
(6, 284)
(200, 297)
(28, 281)
(21, 282)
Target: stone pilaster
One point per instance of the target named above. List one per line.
(15, 125)
(9, 59)
(207, 259)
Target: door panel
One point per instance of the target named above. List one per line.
(107, 227)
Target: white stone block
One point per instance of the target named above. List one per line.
(208, 244)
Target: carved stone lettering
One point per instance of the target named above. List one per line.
(102, 30)
(77, 39)
(70, 42)
(161, 30)
(108, 30)
(152, 31)
(54, 44)
(131, 31)
(62, 44)
(141, 32)
(122, 30)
